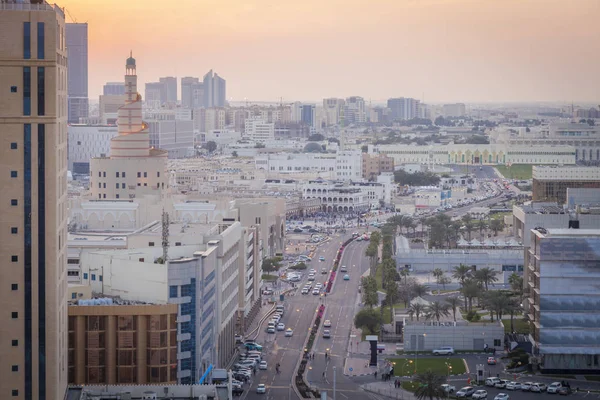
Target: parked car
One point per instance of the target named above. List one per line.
(449, 389)
(324, 271)
(526, 386)
(280, 326)
(491, 382)
(467, 391)
(237, 390)
(480, 394)
(491, 361)
(253, 346)
(564, 390)
(502, 396)
(513, 385)
(443, 351)
(538, 387)
(261, 388)
(305, 291)
(271, 329)
(501, 384)
(553, 387)
(263, 365)
(315, 291)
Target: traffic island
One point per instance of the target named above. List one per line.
(305, 391)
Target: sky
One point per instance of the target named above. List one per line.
(434, 50)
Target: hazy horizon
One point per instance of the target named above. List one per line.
(472, 51)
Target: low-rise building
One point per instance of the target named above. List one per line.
(375, 164)
(336, 196)
(550, 183)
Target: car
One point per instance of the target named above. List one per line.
(268, 292)
(315, 291)
(262, 365)
(553, 387)
(321, 258)
(326, 334)
(298, 230)
(343, 269)
(513, 385)
(324, 271)
(502, 396)
(501, 384)
(239, 339)
(261, 388)
(311, 277)
(280, 326)
(312, 271)
(538, 387)
(255, 357)
(236, 382)
(346, 277)
(304, 291)
(564, 390)
(443, 351)
(449, 389)
(270, 330)
(289, 332)
(491, 382)
(327, 323)
(467, 391)
(491, 361)
(526, 386)
(237, 390)
(253, 346)
(480, 394)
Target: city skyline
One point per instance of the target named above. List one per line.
(459, 50)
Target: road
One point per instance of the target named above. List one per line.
(298, 315)
(341, 306)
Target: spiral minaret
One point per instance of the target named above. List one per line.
(133, 139)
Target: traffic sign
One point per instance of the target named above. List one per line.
(350, 369)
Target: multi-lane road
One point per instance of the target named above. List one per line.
(299, 313)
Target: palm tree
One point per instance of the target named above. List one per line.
(430, 386)
(375, 238)
(516, 284)
(486, 276)
(481, 225)
(512, 307)
(496, 225)
(417, 309)
(391, 296)
(470, 290)
(437, 310)
(453, 303)
(372, 253)
(419, 290)
(437, 274)
(405, 272)
(462, 273)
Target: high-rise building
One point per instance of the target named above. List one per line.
(403, 108)
(354, 110)
(168, 93)
(77, 65)
(133, 167)
(192, 92)
(33, 215)
(332, 108)
(308, 115)
(214, 90)
(152, 94)
(113, 88)
(454, 110)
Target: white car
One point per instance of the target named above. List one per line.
(501, 384)
(262, 365)
(311, 277)
(289, 332)
(443, 351)
(467, 391)
(315, 291)
(327, 323)
(491, 382)
(261, 388)
(280, 326)
(502, 396)
(304, 291)
(449, 389)
(480, 394)
(312, 272)
(538, 387)
(553, 387)
(526, 386)
(513, 386)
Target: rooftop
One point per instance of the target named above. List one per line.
(566, 233)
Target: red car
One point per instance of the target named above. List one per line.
(491, 361)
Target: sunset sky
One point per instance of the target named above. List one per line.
(442, 50)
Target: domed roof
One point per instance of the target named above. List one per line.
(130, 61)
(313, 147)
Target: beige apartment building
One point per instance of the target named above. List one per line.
(374, 164)
(122, 343)
(33, 211)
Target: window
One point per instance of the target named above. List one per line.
(14, 230)
(177, 243)
(14, 202)
(497, 343)
(158, 174)
(14, 286)
(99, 185)
(14, 258)
(73, 295)
(14, 315)
(13, 146)
(41, 90)
(26, 40)
(26, 90)
(15, 392)
(79, 143)
(122, 186)
(13, 89)
(15, 368)
(13, 174)
(93, 277)
(104, 184)
(100, 278)
(99, 174)
(145, 174)
(104, 174)
(117, 185)
(139, 174)
(40, 40)
(172, 291)
(117, 174)
(145, 184)
(117, 196)
(15, 342)
(151, 244)
(85, 275)
(123, 174)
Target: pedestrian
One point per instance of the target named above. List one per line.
(323, 375)
(375, 374)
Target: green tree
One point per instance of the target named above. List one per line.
(317, 137)
(419, 290)
(486, 276)
(391, 296)
(372, 252)
(405, 273)
(437, 274)
(444, 280)
(461, 274)
(369, 291)
(376, 238)
(437, 310)
(211, 146)
(516, 284)
(271, 264)
(482, 226)
(471, 289)
(496, 225)
(405, 293)
(453, 303)
(416, 309)
(429, 386)
(368, 318)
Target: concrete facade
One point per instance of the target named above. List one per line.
(429, 335)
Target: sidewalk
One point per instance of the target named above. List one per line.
(387, 389)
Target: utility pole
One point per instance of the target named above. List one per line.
(165, 235)
(334, 374)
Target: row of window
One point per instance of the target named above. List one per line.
(102, 174)
(27, 40)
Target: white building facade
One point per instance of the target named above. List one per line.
(87, 142)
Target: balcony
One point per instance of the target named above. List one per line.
(25, 5)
